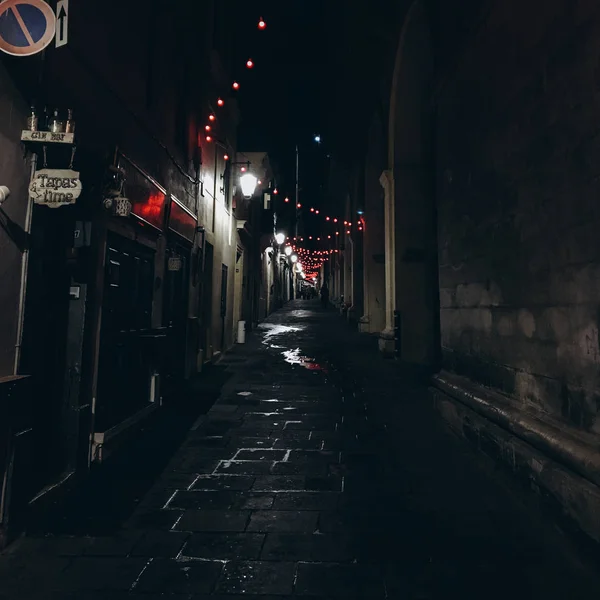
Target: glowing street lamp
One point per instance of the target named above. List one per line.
(280, 238)
(288, 250)
(294, 258)
(248, 183)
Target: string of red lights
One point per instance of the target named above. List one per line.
(311, 259)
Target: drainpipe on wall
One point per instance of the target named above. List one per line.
(24, 270)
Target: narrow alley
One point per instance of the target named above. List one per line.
(322, 471)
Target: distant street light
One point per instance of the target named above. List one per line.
(318, 139)
(288, 250)
(294, 258)
(280, 238)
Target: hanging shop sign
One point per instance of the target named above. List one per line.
(47, 136)
(26, 26)
(55, 187)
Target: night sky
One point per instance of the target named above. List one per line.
(281, 97)
(315, 65)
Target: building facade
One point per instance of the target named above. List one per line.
(479, 250)
(110, 302)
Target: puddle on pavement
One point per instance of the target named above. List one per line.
(272, 330)
(293, 357)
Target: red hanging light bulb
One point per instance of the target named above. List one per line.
(261, 24)
(226, 157)
(208, 138)
(207, 128)
(220, 102)
(250, 63)
(211, 117)
(235, 85)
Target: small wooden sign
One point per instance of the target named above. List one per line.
(55, 187)
(47, 137)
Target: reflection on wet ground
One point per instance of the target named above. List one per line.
(293, 357)
(271, 330)
(333, 482)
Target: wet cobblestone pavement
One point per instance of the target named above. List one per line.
(321, 472)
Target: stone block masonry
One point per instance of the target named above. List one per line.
(519, 251)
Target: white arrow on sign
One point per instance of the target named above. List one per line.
(62, 23)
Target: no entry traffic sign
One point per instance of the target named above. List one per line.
(26, 26)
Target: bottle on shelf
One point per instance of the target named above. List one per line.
(32, 120)
(57, 125)
(70, 124)
(45, 124)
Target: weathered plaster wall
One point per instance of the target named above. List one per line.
(518, 143)
(14, 173)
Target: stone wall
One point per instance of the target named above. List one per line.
(518, 197)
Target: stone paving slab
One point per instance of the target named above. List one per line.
(324, 479)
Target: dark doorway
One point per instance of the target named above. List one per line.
(224, 283)
(124, 376)
(207, 293)
(175, 307)
(45, 340)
